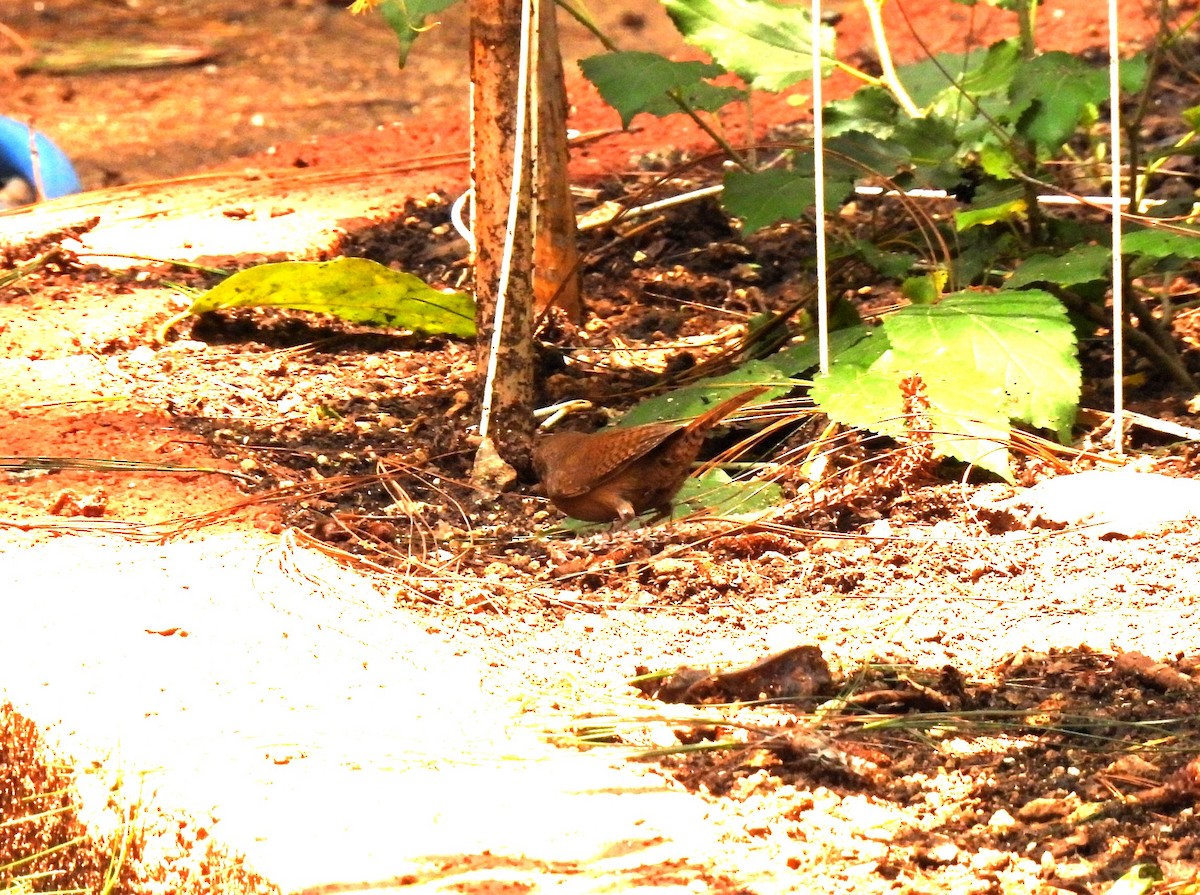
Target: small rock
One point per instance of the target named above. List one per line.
(1002, 820)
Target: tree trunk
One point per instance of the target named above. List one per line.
(507, 423)
(555, 249)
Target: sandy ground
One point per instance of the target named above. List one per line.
(349, 740)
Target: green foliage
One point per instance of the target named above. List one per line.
(762, 198)
(646, 82)
(354, 289)
(1147, 250)
(1163, 244)
(1048, 96)
(805, 356)
(717, 493)
(692, 400)
(407, 19)
(1139, 879)
(767, 44)
(986, 360)
(1083, 264)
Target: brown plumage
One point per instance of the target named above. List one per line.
(619, 473)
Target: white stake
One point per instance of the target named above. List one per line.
(819, 188)
(1118, 291)
(485, 416)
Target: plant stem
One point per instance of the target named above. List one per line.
(1133, 128)
(890, 79)
(1138, 338)
(584, 19)
(1026, 12)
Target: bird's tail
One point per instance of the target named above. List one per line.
(714, 415)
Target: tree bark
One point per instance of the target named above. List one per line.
(556, 278)
(495, 55)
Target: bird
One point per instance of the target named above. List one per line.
(617, 474)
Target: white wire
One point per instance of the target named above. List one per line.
(456, 217)
(819, 189)
(514, 193)
(1118, 291)
(456, 208)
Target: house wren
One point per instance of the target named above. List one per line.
(619, 473)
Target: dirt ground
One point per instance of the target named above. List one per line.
(307, 631)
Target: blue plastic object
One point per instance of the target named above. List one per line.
(58, 177)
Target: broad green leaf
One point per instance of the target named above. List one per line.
(892, 265)
(1053, 90)
(801, 358)
(354, 289)
(1161, 244)
(633, 82)
(1016, 346)
(1132, 72)
(939, 84)
(870, 109)
(406, 18)
(763, 198)
(862, 388)
(692, 400)
(720, 495)
(929, 141)
(984, 359)
(765, 43)
(996, 158)
(871, 155)
(714, 492)
(1082, 264)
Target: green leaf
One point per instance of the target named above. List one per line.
(861, 388)
(762, 198)
(407, 19)
(1138, 880)
(1053, 91)
(1020, 346)
(996, 158)
(1153, 243)
(633, 82)
(354, 289)
(870, 153)
(805, 356)
(1132, 72)
(716, 492)
(1004, 210)
(921, 290)
(765, 43)
(984, 359)
(891, 265)
(1082, 264)
(939, 84)
(870, 109)
(692, 400)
